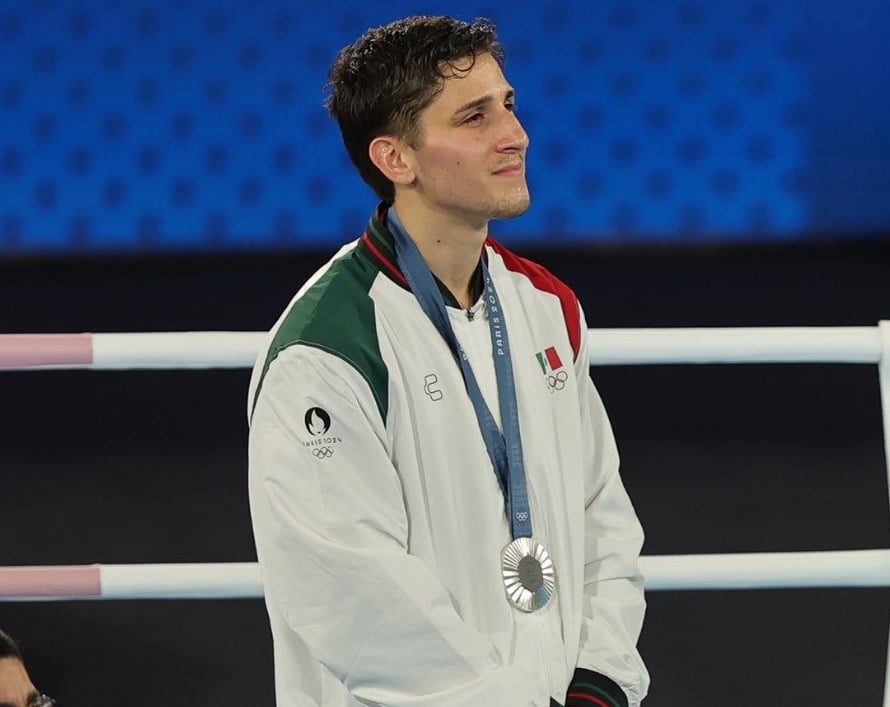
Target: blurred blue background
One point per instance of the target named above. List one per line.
(140, 126)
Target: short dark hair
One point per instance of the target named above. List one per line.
(8, 647)
(380, 84)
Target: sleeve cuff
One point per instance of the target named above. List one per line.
(590, 689)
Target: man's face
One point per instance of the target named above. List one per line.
(16, 688)
(470, 160)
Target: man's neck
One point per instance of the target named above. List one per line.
(450, 247)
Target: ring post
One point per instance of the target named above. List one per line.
(884, 379)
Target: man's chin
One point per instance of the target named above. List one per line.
(512, 209)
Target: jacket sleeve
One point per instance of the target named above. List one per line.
(331, 530)
(614, 604)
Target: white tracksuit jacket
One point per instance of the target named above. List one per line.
(378, 517)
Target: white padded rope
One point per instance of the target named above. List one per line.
(170, 350)
(735, 345)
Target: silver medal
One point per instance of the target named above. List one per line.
(529, 575)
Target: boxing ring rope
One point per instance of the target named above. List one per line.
(220, 350)
(224, 349)
(241, 580)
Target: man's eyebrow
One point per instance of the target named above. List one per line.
(476, 103)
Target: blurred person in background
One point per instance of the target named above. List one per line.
(16, 688)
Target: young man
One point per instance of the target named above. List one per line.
(434, 484)
(16, 688)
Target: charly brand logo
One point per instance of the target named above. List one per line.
(554, 374)
(318, 424)
(431, 387)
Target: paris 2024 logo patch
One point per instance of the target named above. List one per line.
(318, 425)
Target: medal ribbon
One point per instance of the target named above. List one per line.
(504, 449)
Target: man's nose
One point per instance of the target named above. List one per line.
(514, 137)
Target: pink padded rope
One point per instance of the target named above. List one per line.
(35, 350)
(55, 581)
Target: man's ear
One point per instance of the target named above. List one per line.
(388, 155)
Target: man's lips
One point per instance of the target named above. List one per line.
(510, 169)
